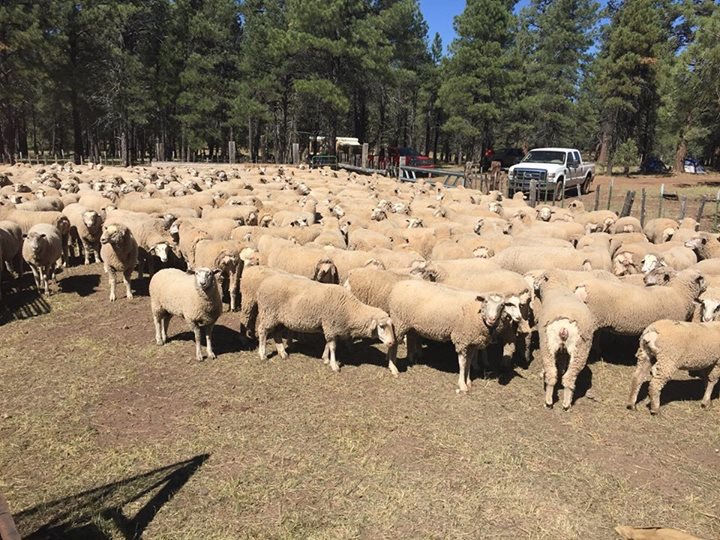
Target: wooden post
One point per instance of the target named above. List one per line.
(683, 207)
(660, 202)
(717, 209)
(562, 196)
(610, 190)
(627, 205)
(296, 153)
(597, 198)
(700, 211)
(8, 531)
(232, 152)
(533, 193)
(642, 208)
(365, 151)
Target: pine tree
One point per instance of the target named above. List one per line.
(476, 79)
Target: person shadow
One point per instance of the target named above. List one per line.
(81, 516)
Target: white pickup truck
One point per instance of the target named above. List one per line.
(553, 169)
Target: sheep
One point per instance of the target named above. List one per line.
(596, 221)
(660, 230)
(11, 240)
(710, 303)
(668, 345)
(150, 234)
(565, 325)
(41, 249)
(119, 253)
(626, 224)
(705, 245)
(225, 256)
(85, 229)
(440, 313)
(44, 204)
(301, 305)
(194, 296)
(627, 309)
(522, 259)
(678, 258)
(28, 219)
(312, 263)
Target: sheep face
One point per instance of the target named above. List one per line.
(545, 213)
(696, 243)
(710, 309)
(491, 308)
(63, 225)
(650, 262)
(91, 219)
(483, 252)
(326, 272)
(113, 234)
(161, 251)
(35, 242)
(378, 214)
(384, 330)
(205, 278)
(659, 276)
(414, 223)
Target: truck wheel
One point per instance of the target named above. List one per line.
(559, 189)
(586, 185)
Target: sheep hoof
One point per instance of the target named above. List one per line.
(654, 412)
(705, 405)
(212, 356)
(630, 406)
(548, 405)
(566, 407)
(112, 298)
(159, 342)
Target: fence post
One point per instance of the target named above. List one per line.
(627, 205)
(683, 207)
(232, 152)
(660, 202)
(562, 196)
(533, 193)
(717, 209)
(703, 200)
(597, 198)
(642, 208)
(610, 190)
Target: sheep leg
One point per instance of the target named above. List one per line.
(198, 343)
(126, 280)
(326, 355)
(49, 276)
(86, 252)
(462, 374)
(158, 320)
(111, 280)
(413, 345)
(151, 265)
(712, 379)
(96, 252)
(641, 375)
(233, 289)
(550, 376)
(331, 344)
(663, 373)
(262, 342)
(280, 345)
(208, 342)
(392, 358)
(164, 326)
(36, 277)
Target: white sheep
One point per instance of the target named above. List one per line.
(41, 249)
(667, 346)
(302, 305)
(194, 296)
(119, 253)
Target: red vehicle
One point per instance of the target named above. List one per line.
(413, 158)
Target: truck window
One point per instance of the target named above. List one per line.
(576, 155)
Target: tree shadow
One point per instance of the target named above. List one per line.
(82, 285)
(81, 516)
(22, 301)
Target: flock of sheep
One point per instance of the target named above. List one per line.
(302, 251)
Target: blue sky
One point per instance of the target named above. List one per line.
(439, 15)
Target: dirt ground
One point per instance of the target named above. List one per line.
(103, 434)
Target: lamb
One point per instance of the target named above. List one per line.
(301, 305)
(440, 313)
(668, 345)
(119, 252)
(194, 296)
(660, 230)
(85, 229)
(565, 325)
(41, 249)
(627, 309)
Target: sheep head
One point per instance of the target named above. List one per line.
(326, 272)
(544, 213)
(92, 220)
(205, 278)
(660, 276)
(710, 309)
(35, 241)
(651, 261)
(161, 250)
(491, 308)
(383, 328)
(114, 234)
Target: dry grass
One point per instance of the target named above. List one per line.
(296, 451)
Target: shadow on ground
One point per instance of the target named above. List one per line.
(95, 513)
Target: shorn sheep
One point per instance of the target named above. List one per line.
(667, 346)
(192, 295)
(41, 249)
(301, 305)
(119, 252)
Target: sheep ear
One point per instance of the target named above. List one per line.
(216, 271)
(24, 235)
(373, 324)
(190, 271)
(480, 298)
(700, 280)
(581, 293)
(42, 235)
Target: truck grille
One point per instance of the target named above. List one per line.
(523, 176)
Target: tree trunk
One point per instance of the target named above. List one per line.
(604, 156)
(680, 155)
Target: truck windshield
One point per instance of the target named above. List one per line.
(545, 156)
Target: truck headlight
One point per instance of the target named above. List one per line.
(551, 176)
